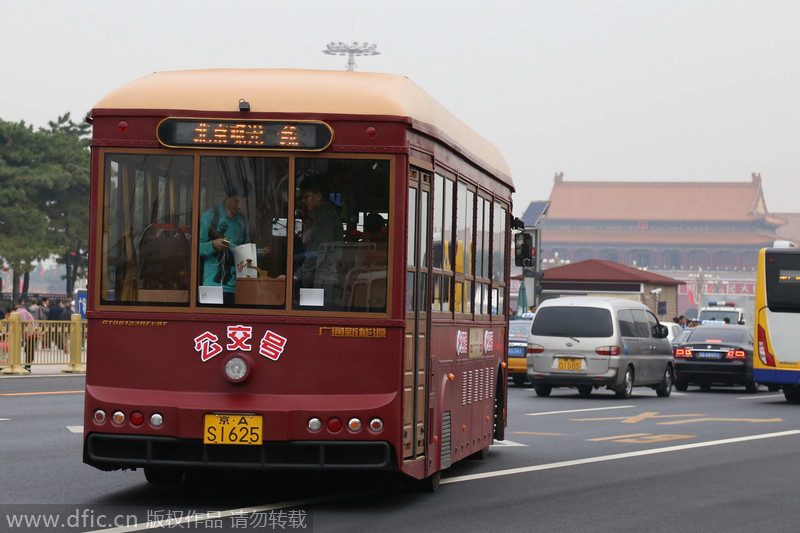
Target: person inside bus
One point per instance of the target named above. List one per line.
(375, 230)
(222, 228)
(321, 224)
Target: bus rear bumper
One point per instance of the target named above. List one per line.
(778, 376)
(114, 452)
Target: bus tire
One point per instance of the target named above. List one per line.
(480, 454)
(791, 393)
(499, 422)
(430, 483)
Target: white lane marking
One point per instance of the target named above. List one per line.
(507, 443)
(1, 419)
(580, 410)
(457, 479)
(759, 396)
(75, 429)
(614, 457)
(214, 515)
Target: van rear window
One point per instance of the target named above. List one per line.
(573, 322)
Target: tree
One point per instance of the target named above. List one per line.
(69, 211)
(44, 196)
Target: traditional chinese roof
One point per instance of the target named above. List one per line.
(600, 270)
(659, 201)
(678, 238)
(790, 231)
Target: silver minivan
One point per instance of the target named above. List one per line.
(591, 342)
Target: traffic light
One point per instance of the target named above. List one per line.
(524, 250)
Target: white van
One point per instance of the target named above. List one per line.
(588, 343)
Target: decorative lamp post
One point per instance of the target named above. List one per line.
(351, 50)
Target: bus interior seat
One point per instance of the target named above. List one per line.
(164, 259)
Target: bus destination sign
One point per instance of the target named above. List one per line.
(244, 134)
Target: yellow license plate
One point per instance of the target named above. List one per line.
(568, 363)
(233, 428)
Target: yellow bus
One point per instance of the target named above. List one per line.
(778, 321)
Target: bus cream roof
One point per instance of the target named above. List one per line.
(302, 91)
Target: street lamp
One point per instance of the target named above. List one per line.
(351, 50)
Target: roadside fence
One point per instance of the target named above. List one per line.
(24, 343)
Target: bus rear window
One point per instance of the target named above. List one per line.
(573, 322)
(783, 280)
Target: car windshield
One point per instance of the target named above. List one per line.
(682, 336)
(719, 316)
(519, 329)
(573, 321)
(725, 334)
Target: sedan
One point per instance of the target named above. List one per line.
(715, 355)
(680, 338)
(673, 330)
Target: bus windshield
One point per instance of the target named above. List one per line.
(270, 232)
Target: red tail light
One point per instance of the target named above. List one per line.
(736, 354)
(535, 348)
(763, 353)
(683, 353)
(608, 350)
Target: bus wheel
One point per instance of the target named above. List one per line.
(428, 484)
(499, 421)
(162, 474)
(791, 393)
(543, 390)
(480, 454)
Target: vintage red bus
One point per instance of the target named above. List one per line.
(293, 269)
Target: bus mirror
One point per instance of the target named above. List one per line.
(523, 249)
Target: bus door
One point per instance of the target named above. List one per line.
(415, 366)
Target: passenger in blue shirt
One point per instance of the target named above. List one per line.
(222, 228)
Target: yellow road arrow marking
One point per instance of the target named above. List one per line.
(634, 419)
(751, 420)
(642, 438)
(618, 437)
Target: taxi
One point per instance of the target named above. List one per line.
(518, 331)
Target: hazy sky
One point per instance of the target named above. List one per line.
(639, 90)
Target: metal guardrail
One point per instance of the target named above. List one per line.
(42, 342)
